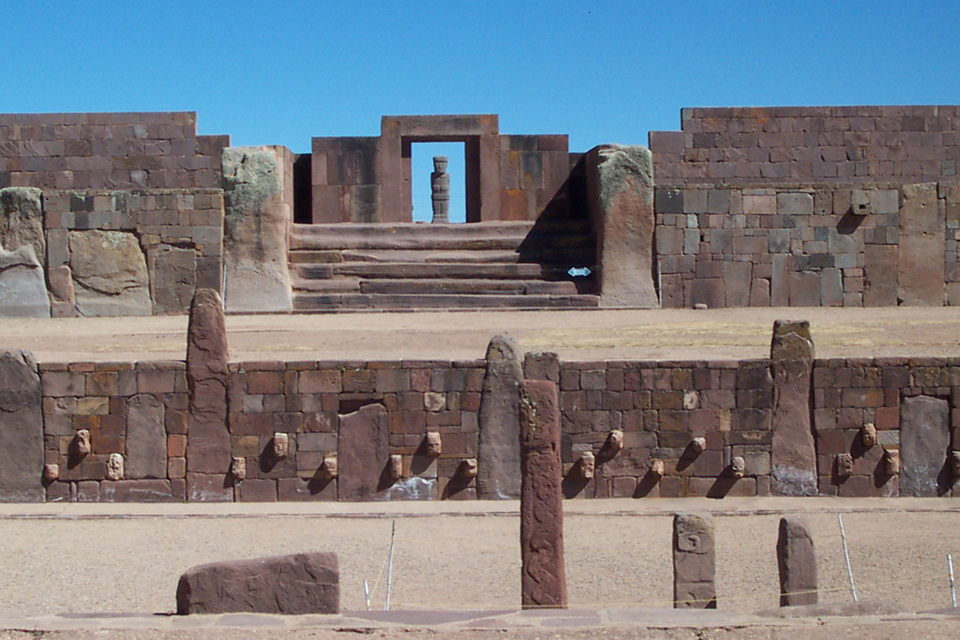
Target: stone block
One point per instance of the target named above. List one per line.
(797, 561)
(793, 452)
(256, 226)
(924, 446)
(693, 562)
(543, 577)
(920, 269)
(146, 440)
(363, 453)
(620, 191)
(23, 291)
(304, 583)
(795, 204)
(173, 279)
(208, 440)
(880, 276)
(21, 429)
(736, 283)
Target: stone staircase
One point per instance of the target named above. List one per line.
(516, 265)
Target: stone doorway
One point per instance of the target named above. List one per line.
(421, 162)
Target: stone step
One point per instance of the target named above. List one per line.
(525, 236)
(574, 255)
(441, 286)
(307, 303)
(419, 270)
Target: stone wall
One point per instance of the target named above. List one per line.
(794, 144)
(808, 245)
(650, 429)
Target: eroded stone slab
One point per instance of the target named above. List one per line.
(620, 187)
(23, 292)
(793, 455)
(498, 468)
(21, 429)
(922, 245)
(297, 584)
(208, 441)
(255, 230)
(174, 279)
(543, 576)
(146, 442)
(924, 445)
(694, 562)
(21, 221)
(362, 453)
(797, 561)
(109, 273)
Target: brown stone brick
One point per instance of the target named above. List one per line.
(322, 381)
(264, 382)
(359, 380)
(58, 384)
(667, 400)
(177, 446)
(862, 397)
(103, 383)
(156, 381)
(392, 380)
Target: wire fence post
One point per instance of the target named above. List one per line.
(846, 555)
(393, 535)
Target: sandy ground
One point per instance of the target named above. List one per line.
(574, 335)
(102, 560)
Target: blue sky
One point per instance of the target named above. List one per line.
(601, 71)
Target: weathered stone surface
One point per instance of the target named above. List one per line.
(797, 560)
(541, 365)
(115, 467)
(793, 455)
(255, 230)
(880, 268)
(21, 429)
(498, 473)
(208, 441)
(363, 453)
(146, 442)
(21, 221)
(294, 585)
(922, 243)
(620, 188)
(693, 562)
(543, 577)
(23, 292)
(173, 279)
(924, 445)
(61, 284)
(109, 273)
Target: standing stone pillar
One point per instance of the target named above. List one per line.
(440, 190)
(797, 560)
(208, 440)
(620, 191)
(793, 456)
(543, 581)
(498, 469)
(21, 429)
(693, 562)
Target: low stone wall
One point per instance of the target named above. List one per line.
(690, 428)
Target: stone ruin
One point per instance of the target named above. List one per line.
(131, 213)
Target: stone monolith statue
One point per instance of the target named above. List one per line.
(440, 189)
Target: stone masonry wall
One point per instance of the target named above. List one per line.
(807, 245)
(829, 144)
(139, 411)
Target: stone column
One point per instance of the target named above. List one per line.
(543, 580)
(793, 456)
(440, 190)
(693, 562)
(255, 229)
(620, 191)
(797, 560)
(498, 465)
(208, 440)
(21, 429)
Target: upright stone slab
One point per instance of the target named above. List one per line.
(363, 450)
(208, 440)
(694, 562)
(297, 584)
(257, 217)
(922, 244)
(797, 560)
(23, 290)
(543, 581)
(793, 455)
(620, 190)
(924, 446)
(109, 273)
(21, 429)
(146, 441)
(21, 221)
(498, 464)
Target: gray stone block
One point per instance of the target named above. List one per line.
(21, 429)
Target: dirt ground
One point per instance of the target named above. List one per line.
(574, 335)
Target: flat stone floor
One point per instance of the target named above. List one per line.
(463, 335)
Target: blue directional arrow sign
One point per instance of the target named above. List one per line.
(581, 272)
